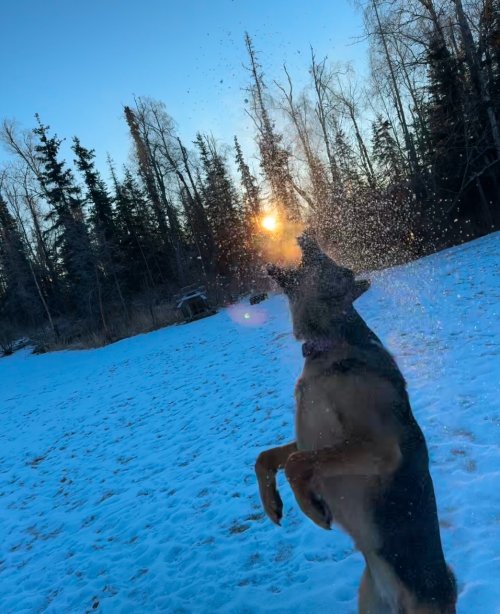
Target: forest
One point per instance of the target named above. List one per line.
(385, 167)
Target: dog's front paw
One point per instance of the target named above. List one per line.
(269, 495)
(273, 505)
(321, 515)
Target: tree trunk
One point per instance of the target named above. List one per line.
(319, 87)
(477, 76)
(410, 147)
(365, 157)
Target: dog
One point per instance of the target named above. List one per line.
(359, 459)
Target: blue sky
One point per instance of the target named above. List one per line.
(78, 62)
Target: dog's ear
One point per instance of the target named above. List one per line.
(360, 287)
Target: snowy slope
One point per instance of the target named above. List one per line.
(126, 473)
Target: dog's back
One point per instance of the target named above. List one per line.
(396, 517)
(406, 512)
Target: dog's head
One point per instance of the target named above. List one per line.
(320, 292)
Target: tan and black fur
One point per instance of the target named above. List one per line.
(359, 459)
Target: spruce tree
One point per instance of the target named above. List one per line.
(99, 201)
(101, 217)
(448, 126)
(139, 245)
(67, 217)
(223, 210)
(386, 153)
(21, 301)
(251, 191)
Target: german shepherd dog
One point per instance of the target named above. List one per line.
(359, 458)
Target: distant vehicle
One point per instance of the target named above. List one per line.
(258, 298)
(193, 302)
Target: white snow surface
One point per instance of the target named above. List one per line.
(126, 473)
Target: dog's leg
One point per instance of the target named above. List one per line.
(369, 601)
(352, 457)
(305, 471)
(267, 465)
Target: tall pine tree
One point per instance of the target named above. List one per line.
(223, 209)
(21, 300)
(102, 219)
(68, 222)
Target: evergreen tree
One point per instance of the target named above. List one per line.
(491, 27)
(101, 207)
(67, 218)
(138, 245)
(447, 127)
(20, 301)
(251, 191)
(251, 212)
(346, 161)
(386, 153)
(223, 209)
(102, 219)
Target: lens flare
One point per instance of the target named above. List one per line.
(247, 316)
(269, 223)
(278, 240)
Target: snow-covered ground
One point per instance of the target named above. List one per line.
(126, 473)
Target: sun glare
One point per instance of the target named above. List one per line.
(269, 223)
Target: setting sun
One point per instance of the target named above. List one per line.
(270, 223)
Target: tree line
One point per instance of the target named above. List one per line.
(385, 168)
